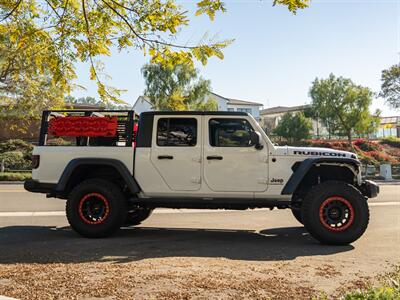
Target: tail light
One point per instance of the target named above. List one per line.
(35, 161)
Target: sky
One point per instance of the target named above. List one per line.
(276, 55)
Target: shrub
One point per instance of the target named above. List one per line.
(16, 154)
(294, 127)
(16, 145)
(366, 159)
(389, 288)
(337, 145)
(391, 141)
(365, 145)
(382, 157)
(7, 176)
(15, 160)
(394, 152)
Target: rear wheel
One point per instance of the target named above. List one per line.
(96, 208)
(137, 216)
(335, 213)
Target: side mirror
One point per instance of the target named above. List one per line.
(255, 139)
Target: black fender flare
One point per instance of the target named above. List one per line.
(77, 162)
(307, 164)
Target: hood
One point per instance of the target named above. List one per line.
(314, 152)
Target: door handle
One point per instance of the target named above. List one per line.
(214, 157)
(165, 157)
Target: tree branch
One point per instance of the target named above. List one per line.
(53, 9)
(12, 11)
(142, 38)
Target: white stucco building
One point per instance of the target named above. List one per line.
(142, 104)
(230, 104)
(224, 104)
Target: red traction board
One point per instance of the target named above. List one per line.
(83, 126)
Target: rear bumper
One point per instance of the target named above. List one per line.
(369, 189)
(35, 186)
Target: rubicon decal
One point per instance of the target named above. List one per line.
(319, 153)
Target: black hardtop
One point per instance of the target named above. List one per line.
(191, 113)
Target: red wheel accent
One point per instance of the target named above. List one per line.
(94, 208)
(336, 214)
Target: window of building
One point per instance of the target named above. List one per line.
(244, 109)
(230, 133)
(177, 132)
(231, 109)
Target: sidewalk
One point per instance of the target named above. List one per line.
(6, 298)
(386, 182)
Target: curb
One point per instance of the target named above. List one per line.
(12, 182)
(391, 182)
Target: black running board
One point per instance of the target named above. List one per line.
(209, 203)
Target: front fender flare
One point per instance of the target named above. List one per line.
(307, 164)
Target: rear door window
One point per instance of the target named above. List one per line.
(177, 132)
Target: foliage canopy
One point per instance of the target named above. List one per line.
(177, 88)
(294, 127)
(390, 89)
(50, 36)
(343, 106)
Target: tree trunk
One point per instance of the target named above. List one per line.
(349, 139)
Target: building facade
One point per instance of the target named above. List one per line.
(270, 117)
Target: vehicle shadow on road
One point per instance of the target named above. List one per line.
(41, 244)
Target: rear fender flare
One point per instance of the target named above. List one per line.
(78, 162)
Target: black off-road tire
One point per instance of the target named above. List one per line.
(297, 214)
(80, 208)
(318, 211)
(136, 217)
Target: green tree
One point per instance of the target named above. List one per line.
(390, 89)
(52, 35)
(342, 105)
(177, 88)
(82, 100)
(27, 81)
(92, 101)
(294, 127)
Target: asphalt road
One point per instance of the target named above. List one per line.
(33, 230)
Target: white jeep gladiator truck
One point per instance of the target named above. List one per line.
(120, 167)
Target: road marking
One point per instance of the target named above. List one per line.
(156, 211)
(31, 213)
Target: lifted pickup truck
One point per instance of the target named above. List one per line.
(116, 171)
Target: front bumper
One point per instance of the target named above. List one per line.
(369, 189)
(35, 186)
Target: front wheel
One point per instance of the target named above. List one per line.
(335, 213)
(96, 208)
